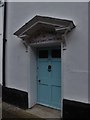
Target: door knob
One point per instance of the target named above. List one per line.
(39, 80)
(49, 68)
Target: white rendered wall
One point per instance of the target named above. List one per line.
(1, 43)
(74, 59)
(32, 81)
(89, 54)
(16, 56)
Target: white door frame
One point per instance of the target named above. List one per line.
(32, 83)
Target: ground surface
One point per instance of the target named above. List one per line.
(10, 111)
(44, 112)
(37, 112)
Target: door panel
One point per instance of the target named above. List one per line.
(43, 71)
(56, 73)
(44, 94)
(55, 96)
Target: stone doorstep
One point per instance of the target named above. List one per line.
(15, 111)
(45, 112)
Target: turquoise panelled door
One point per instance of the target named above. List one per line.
(49, 77)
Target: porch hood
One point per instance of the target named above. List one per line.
(40, 23)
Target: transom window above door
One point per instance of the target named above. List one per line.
(50, 53)
(56, 53)
(43, 54)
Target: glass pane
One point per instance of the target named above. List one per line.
(43, 54)
(56, 53)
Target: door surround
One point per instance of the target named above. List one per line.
(32, 77)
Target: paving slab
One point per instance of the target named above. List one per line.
(37, 112)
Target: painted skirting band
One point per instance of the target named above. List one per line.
(15, 97)
(73, 109)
